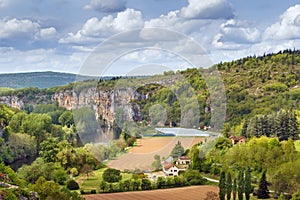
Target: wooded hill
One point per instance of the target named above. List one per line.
(254, 85)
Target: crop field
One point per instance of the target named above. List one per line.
(186, 193)
(142, 156)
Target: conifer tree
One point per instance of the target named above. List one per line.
(228, 186)
(222, 186)
(263, 192)
(248, 184)
(240, 188)
(234, 188)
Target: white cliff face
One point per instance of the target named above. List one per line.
(12, 101)
(104, 103)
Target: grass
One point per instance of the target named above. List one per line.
(297, 145)
(93, 181)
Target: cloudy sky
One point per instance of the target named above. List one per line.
(59, 35)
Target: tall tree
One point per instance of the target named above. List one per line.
(234, 189)
(244, 129)
(178, 150)
(248, 184)
(228, 186)
(263, 192)
(222, 186)
(240, 185)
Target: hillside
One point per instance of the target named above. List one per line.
(37, 79)
(254, 85)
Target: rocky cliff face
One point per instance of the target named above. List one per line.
(106, 104)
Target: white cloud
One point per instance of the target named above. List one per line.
(46, 33)
(15, 28)
(288, 27)
(107, 5)
(95, 28)
(234, 34)
(203, 9)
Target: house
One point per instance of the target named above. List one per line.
(171, 168)
(237, 139)
(183, 160)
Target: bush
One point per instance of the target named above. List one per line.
(112, 175)
(93, 192)
(72, 185)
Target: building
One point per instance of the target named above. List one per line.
(237, 139)
(171, 168)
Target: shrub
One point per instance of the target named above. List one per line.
(93, 192)
(112, 175)
(72, 185)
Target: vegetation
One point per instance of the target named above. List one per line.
(262, 105)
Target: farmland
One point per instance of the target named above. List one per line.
(186, 193)
(141, 156)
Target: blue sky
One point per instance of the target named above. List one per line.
(59, 35)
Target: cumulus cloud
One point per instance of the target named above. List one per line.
(46, 33)
(202, 9)
(194, 17)
(288, 27)
(24, 29)
(236, 33)
(106, 5)
(15, 27)
(95, 28)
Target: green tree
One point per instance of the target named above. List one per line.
(248, 187)
(66, 118)
(146, 184)
(111, 175)
(241, 187)
(72, 185)
(296, 196)
(222, 186)
(234, 189)
(228, 186)
(177, 151)
(157, 163)
(263, 192)
(45, 188)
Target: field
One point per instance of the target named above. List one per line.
(93, 181)
(186, 193)
(142, 156)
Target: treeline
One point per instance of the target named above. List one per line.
(236, 187)
(139, 182)
(282, 124)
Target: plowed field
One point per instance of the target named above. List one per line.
(186, 193)
(142, 156)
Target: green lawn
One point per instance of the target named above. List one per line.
(93, 181)
(297, 145)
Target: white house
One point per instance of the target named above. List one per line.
(170, 169)
(173, 168)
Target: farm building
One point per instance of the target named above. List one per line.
(173, 168)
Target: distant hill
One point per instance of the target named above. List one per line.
(37, 79)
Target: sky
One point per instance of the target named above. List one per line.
(128, 35)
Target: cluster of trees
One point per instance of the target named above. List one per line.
(236, 188)
(46, 189)
(282, 125)
(112, 181)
